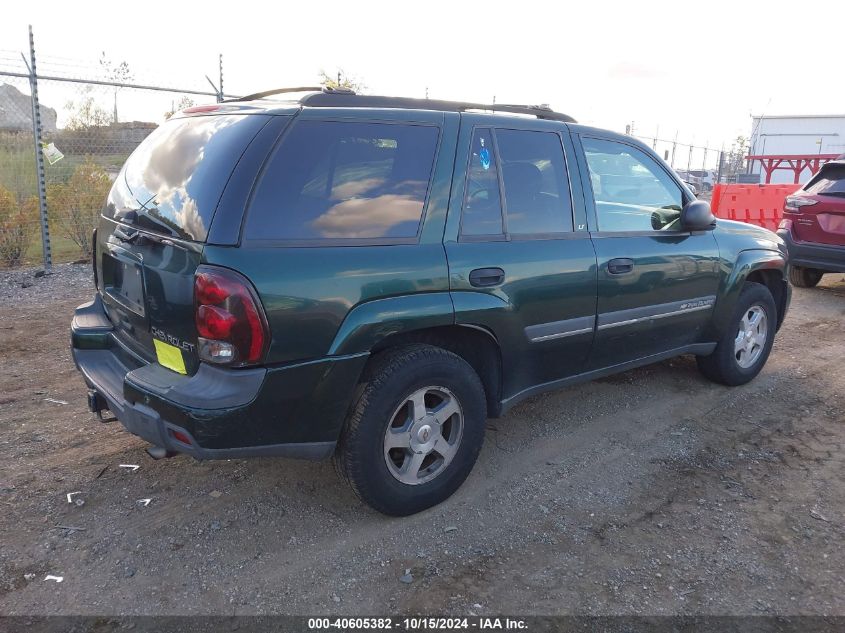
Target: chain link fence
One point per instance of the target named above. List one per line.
(92, 115)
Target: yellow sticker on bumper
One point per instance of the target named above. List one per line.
(170, 356)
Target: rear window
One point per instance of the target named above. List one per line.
(830, 181)
(172, 182)
(337, 180)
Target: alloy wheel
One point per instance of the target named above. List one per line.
(751, 337)
(423, 435)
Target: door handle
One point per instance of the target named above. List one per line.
(620, 266)
(486, 277)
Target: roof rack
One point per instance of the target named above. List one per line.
(351, 100)
(324, 97)
(279, 91)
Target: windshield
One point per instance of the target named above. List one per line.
(173, 180)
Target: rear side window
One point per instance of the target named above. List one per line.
(344, 180)
(536, 189)
(531, 168)
(482, 214)
(830, 181)
(172, 182)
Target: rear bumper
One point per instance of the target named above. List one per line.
(820, 256)
(291, 411)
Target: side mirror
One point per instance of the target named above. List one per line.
(697, 216)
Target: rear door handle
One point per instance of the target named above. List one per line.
(620, 266)
(486, 277)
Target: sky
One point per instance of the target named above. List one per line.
(697, 70)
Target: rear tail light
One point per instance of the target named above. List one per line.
(179, 436)
(231, 325)
(793, 204)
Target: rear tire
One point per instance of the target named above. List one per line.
(804, 277)
(415, 430)
(743, 350)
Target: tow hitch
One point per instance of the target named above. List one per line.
(97, 404)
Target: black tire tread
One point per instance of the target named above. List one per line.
(803, 277)
(376, 374)
(720, 366)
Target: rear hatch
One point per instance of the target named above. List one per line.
(156, 220)
(820, 207)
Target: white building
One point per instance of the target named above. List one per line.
(799, 135)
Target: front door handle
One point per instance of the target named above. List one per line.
(486, 277)
(620, 266)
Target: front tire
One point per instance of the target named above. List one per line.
(743, 350)
(415, 431)
(804, 277)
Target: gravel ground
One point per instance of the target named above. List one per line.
(650, 492)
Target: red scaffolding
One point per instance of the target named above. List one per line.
(794, 162)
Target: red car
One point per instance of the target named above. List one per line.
(813, 226)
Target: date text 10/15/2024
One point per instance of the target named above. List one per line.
(417, 624)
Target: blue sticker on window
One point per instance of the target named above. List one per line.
(484, 155)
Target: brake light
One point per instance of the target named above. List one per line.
(793, 204)
(230, 322)
(201, 108)
(180, 436)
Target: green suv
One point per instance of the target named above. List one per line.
(370, 278)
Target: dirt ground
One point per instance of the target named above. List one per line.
(651, 492)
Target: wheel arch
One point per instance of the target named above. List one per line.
(776, 282)
(762, 266)
(474, 344)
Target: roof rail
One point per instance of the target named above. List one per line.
(325, 97)
(351, 100)
(279, 91)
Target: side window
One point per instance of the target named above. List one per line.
(533, 171)
(632, 192)
(482, 213)
(344, 180)
(536, 188)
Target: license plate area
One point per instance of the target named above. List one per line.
(123, 282)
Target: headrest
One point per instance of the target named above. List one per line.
(522, 178)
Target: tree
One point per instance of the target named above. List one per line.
(118, 73)
(86, 113)
(735, 159)
(17, 224)
(75, 205)
(184, 102)
(342, 80)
